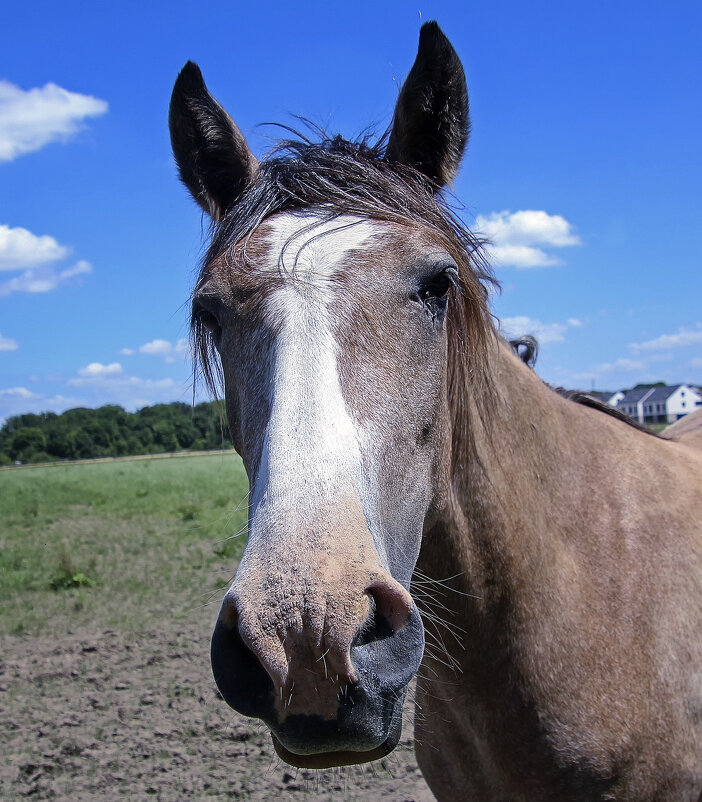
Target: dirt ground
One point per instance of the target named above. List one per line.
(116, 716)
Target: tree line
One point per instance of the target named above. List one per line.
(111, 431)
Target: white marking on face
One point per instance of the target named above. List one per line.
(310, 248)
(311, 445)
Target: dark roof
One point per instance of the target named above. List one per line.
(663, 393)
(635, 395)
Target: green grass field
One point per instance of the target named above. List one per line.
(117, 544)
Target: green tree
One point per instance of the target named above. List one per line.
(111, 431)
(26, 441)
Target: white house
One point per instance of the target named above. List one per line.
(683, 400)
(660, 404)
(612, 399)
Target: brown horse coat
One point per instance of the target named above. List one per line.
(579, 557)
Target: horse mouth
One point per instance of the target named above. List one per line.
(318, 744)
(328, 760)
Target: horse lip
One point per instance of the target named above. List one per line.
(343, 757)
(328, 760)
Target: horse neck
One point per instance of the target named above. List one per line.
(512, 497)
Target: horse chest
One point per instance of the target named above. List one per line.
(497, 747)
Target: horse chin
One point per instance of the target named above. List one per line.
(328, 760)
(312, 746)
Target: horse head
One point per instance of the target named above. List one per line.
(324, 303)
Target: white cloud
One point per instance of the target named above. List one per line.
(98, 385)
(93, 385)
(113, 377)
(521, 256)
(31, 119)
(98, 369)
(115, 387)
(20, 249)
(629, 365)
(20, 400)
(18, 392)
(544, 332)
(684, 337)
(43, 279)
(127, 351)
(519, 238)
(156, 347)
(623, 365)
(80, 268)
(163, 348)
(8, 344)
(529, 227)
(34, 256)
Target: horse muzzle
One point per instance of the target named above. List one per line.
(334, 719)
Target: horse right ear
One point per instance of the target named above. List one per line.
(431, 123)
(213, 159)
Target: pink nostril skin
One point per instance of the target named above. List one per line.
(392, 602)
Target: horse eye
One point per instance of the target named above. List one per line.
(439, 285)
(209, 322)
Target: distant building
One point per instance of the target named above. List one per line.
(659, 403)
(607, 397)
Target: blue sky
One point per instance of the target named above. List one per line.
(585, 167)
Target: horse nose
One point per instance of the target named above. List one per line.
(302, 653)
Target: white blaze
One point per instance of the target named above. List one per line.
(311, 444)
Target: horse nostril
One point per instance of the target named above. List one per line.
(228, 613)
(393, 602)
(390, 610)
(375, 627)
(238, 673)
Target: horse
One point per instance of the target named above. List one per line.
(402, 456)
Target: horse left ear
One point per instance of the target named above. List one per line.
(213, 159)
(431, 124)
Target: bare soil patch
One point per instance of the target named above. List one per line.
(136, 716)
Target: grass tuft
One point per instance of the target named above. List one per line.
(188, 511)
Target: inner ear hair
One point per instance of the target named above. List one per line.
(431, 121)
(213, 158)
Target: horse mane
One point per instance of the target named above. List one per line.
(587, 400)
(338, 177)
(527, 349)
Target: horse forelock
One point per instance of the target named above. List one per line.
(335, 178)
